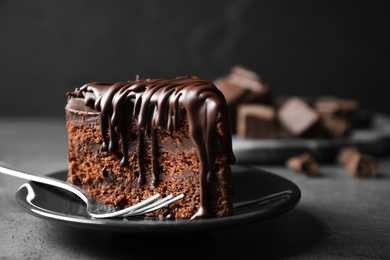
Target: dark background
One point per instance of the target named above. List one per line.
(298, 47)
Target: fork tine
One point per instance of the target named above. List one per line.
(146, 206)
(165, 204)
(127, 210)
(158, 205)
(153, 205)
(95, 209)
(143, 203)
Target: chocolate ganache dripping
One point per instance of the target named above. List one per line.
(160, 104)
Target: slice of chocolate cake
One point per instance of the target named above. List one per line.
(131, 140)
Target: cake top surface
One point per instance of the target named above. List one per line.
(158, 103)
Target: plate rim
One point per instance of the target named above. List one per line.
(157, 226)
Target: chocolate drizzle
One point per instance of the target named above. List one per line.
(161, 104)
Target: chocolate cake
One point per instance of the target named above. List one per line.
(131, 140)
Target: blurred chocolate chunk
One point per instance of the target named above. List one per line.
(245, 78)
(333, 106)
(337, 115)
(280, 100)
(304, 116)
(233, 93)
(242, 86)
(297, 118)
(257, 121)
(345, 108)
(334, 126)
(346, 154)
(304, 164)
(359, 164)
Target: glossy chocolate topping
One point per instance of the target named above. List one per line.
(161, 104)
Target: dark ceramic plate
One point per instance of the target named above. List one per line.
(373, 139)
(259, 195)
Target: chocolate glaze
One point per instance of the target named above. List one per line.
(160, 104)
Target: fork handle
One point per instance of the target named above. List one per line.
(45, 180)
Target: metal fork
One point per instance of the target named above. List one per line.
(96, 209)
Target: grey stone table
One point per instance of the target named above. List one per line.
(338, 217)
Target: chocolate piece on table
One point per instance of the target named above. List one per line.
(257, 121)
(347, 153)
(242, 86)
(359, 164)
(297, 117)
(304, 164)
(367, 166)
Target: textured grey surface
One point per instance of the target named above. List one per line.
(339, 217)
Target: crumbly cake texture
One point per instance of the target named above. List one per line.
(121, 161)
